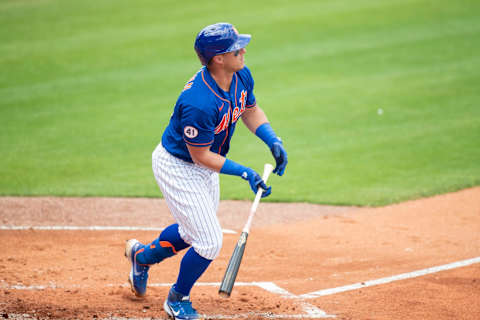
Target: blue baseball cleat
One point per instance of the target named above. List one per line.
(179, 307)
(139, 273)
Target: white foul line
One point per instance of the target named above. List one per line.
(402, 276)
(310, 310)
(267, 315)
(92, 228)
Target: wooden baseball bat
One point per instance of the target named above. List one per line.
(234, 265)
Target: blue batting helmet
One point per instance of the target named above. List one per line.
(219, 38)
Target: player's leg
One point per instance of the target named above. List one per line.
(166, 245)
(204, 250)
(143, 256)
(203, 230)
(197, 198)
(178, 302)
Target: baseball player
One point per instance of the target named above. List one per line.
(192, 153)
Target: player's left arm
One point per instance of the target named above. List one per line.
(256, 121)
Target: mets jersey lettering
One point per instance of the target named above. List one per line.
(237, 112)
(205, 115)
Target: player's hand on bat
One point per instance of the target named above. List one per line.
(281, 159)
(256, 181)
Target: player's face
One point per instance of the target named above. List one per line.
(235, 60)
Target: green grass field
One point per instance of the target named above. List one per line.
(87, 87)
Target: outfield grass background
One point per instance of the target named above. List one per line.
(87, 87)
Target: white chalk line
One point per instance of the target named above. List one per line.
(92, 228)
(403, 276)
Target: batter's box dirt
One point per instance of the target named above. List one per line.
(245, 302)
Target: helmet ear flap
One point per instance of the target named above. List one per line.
(201, 58)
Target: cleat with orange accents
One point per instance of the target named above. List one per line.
(139, 272)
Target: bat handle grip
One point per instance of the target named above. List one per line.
(267, 170)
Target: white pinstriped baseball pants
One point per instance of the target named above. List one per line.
(192, 194)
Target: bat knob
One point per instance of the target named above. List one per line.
(224, 294)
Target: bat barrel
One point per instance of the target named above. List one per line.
(226, 285)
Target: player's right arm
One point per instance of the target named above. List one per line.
(206, 158)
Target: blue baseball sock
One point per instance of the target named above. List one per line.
(191, 268)
(166, 245)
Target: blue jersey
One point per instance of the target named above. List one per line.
(206, 115)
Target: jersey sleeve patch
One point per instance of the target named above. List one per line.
(190, 132)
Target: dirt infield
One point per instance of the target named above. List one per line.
(376, 261)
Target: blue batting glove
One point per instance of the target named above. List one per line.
(266, 133)
(236, 169)
(256, 182)
(280, 155)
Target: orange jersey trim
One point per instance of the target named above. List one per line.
(199, 144)
(206, 83)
